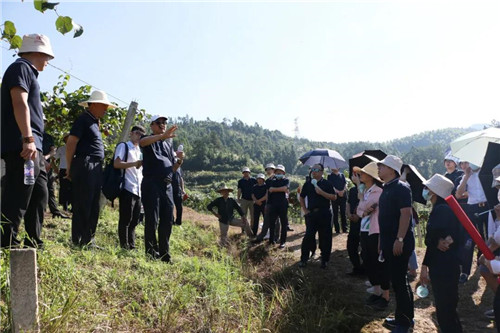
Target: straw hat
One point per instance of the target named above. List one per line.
(440, 185)
(245, 169)
(370, 169)
(392, 162)
(97, 96)
(280, 167)
(261, 176)
(36, 43)
(223, 187)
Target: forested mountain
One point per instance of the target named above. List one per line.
(230, 145)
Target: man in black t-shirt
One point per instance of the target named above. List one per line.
(259, 196)
(245, 185)
(319, 193)
(337, 179)
(159, 163)
(22, 135)
(84, 158)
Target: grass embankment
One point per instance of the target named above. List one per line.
(206, 289)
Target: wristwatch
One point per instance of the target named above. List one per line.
(400, 239)
(28, 139)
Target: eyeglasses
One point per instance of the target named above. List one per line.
(316, 169)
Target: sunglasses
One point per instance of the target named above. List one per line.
(316, 169)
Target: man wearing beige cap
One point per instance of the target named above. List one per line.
(396, 238)
(22, 135)
(84, 158)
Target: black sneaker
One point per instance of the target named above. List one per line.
(289, 229)
(390, 322)
(372, 299)
(324, 264)
(380, 305)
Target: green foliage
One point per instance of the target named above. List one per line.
(64, 24)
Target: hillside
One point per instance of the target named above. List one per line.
(229, 145)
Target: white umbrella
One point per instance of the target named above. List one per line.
(472, 147)
(327, 157)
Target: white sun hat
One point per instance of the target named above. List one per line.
(440, 185)
(270, 166)
(280, 167)
(36, 43)
(392, 162)
(245, 169)
(261, 176)
(97, 96)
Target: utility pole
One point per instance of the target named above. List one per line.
(132, 109)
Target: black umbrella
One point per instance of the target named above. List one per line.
(360, 160)
(491, 160)
(416, 180)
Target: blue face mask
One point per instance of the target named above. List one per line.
(279, 176)
(361, 187)
(474, 167)
(426, 195)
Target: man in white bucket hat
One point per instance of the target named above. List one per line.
(22, 135)
(396, 238)
(84, 158)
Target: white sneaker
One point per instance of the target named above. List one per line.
(267, 235)
(370, 290)
(367, 283)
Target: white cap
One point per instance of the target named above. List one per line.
(245, 169)
(36, 43)
(261, 176)
(280, 167)
(270, 166)
(156, 117)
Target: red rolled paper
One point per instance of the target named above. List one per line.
(471, 229)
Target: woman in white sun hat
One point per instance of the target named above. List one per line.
(441, 264)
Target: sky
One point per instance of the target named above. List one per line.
(342, 71)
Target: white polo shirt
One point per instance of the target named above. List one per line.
(474, 189)
(133, 175)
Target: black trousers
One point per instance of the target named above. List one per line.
(86, 177)
(340, 203)
(274, 212)
(23, 201)
(130, 209)
(317, 222)
(353, 240)
(378, 272)
(64, 189)
(178, 209)
(496, 307)
(398, 266)
(158, 203)
(52, 194)
(257, 212)
(481, 224)
(444, 281)
(363, 241)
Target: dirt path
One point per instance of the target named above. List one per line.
(474, 298)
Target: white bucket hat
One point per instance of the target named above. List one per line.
(450, 157)
(280, 167)
(245, 169)
(270, 166)
(440, 185)
(370, 169)
(496, 176)
(392, 162)
(97, 96)
(36, 43)
(261, 176)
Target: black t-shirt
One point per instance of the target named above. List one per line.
(158, 159)
(353, 199)
(20, 74)
(246, 186)
(395, 196)
(48, 142)
(338, 181)
(277, 198)
(225, 208)
(259, 190)
(86, 128)
(314, 200)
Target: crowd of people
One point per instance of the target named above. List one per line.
(378, 205)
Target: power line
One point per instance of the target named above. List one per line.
(77, 78)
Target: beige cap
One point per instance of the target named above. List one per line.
(440, 185)
(393, 162)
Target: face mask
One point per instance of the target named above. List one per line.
(426, 195)
(361, 187)
(279, 176)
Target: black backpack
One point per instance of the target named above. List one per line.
(113, 178)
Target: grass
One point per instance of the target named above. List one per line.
(206, 289)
